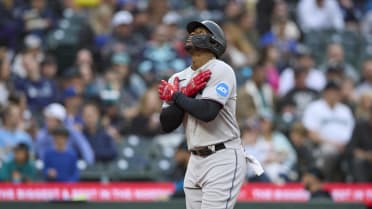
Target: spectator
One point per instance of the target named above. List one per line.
(85, 67)
(319, 15)
(335, 72)
(255, 95)
(313, 182)
(270, 57)
(301, 143)
(282, 26)
(299, 95)
(338, 74)
(49, 68)
(360, 150)
(33, 50)
(114, 119)
(330, 124)
(121, 39)
(363, 106)
(39, 91)
(78, 25)
(159, 58)
(72, 101)
(60, 163)
(351, 14)
(156, 10)
(240, 53)
(141, 25)
(246, 23)
(71, 34)
(335, 57)
(10, 132)
(232, 10)
(101, 142)
(146, 122)
(348, 96)
(6, 84)
(37, 19)
(109, 91)
(73, 78)
(200, 10)
(315, 79)
(19, 99)
(21, 168)
(132, 85)
(10, 26)
(264, 10)
(366, 84)
(128, 5)
(366, 26)
(279, 158)
(172, 19)
(84, 64)
(284, 34)
(90, 83)
(100, 22)
(54, 116)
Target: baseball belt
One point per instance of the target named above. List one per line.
(208, 150)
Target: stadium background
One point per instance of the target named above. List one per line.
(102, 60)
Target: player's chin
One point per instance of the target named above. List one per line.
(188, 47)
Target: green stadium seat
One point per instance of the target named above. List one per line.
(351, 41)
(317, 41)
(142, 158)
(95, 172)
(132, 169)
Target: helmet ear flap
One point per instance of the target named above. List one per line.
(212, 40)
(215, 45)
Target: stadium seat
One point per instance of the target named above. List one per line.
(134, 159)
(39, 165)
(351, 41)
(316, 41)
(142, 158)
(95, 172)
(130, 169)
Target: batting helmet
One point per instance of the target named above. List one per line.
(215, 42)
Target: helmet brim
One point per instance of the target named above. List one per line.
(191, 26)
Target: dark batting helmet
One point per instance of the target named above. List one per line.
(215, 42)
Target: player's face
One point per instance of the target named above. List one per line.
(197, 31)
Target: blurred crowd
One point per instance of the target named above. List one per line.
(79, 76)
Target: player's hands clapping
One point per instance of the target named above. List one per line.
(166, 90)
(197, 83)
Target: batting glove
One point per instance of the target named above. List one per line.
(166, 90)
(197, 83)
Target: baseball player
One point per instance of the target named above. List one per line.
(203, 98)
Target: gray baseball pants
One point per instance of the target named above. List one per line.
(214, 182)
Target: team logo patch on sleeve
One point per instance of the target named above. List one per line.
(222, 89)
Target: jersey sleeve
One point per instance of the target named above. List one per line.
(221, 84)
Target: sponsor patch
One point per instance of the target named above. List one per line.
(222, 89)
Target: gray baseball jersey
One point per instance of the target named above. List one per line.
(221, 88)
